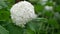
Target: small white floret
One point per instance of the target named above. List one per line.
(49, 8)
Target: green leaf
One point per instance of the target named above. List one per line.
(14, 29)
(32, 26)
(29, 31)
(48, 14)
(38, 8)
(4, 15)
(53, 22)
(3, 30)
(57, 8)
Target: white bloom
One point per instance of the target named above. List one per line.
(43, 2)
(49, 8)
(22, 12)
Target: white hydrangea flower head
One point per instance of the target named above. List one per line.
(22, 12)
(49, 8)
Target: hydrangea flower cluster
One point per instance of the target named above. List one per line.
(22, 12)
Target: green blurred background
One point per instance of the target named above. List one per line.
(48, 21)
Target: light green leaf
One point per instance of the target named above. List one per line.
(14, 29)
(3, 30)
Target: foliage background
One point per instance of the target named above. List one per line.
(48, 22)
